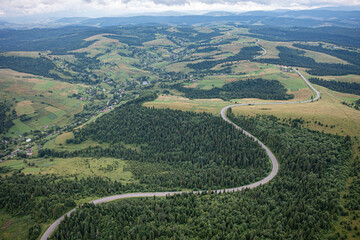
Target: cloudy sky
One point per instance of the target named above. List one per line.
(98, 8)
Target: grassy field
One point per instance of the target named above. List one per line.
(346, 78)
(69, 167)
(210, 82)
(59, 143)
(328, 110)
(272, 52)
(290, 80)
(15, 228)
(159, 42)
(32, 54)
(178, 67)
(45, 100)
(197, 105)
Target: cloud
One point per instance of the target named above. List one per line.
(96, 8)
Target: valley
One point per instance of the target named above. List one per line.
(213, 130)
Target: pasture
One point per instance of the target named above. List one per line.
(44, 100)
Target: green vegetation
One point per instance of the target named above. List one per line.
(212, 106)
(250, 88)
(353, 88)
(305, 205)
(295, 57)
(112, 168)
(37, 66)
(38, 102)
(15, 227)
(337, 35)
(183, 147)
(72, 143)
(6, 117)
(49, 196)
(246, 53)
(349, 56)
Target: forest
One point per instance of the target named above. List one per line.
(337, 35)
(176, 149)
(249, 88)
(345, 87)
(6, 116)
(37, 66)
(49, 196)
(302, 202)
(246, 53)
(349, 56)
(296, 58)
(171, 150)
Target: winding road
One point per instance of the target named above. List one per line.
(274, 162)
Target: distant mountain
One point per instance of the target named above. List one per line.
(320, 14)
(219, 14)
(278, 18)
(341, 8)
(71, 20)
(326, 17)
(200, 19)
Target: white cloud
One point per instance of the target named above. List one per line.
(98, 8)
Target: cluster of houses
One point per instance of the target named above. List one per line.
(285, 68)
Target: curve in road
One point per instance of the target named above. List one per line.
(274, 162)
(264, 53)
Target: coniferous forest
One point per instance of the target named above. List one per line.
(187, 150)
(250, 88)
(300, 203)
(345, 87)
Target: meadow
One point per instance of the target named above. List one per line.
(70, 167)
(44, 100)
(272, 52)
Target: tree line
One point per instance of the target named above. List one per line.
(349, 56)
(184, 149)
(37, 66)
(246, 53)
(5, 117)
(249, 88)
(302, 202)
(345, 87)
(296, 58)
(337, 35)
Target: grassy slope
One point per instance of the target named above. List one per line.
(43, 99)
(272, 52)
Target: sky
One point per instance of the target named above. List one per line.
(103, 8)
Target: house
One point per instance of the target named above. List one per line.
(28, 152)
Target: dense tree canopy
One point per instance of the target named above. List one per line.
(345, 87)
(184, 149)
(6, 116)
(300, 203)
(250, 88)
